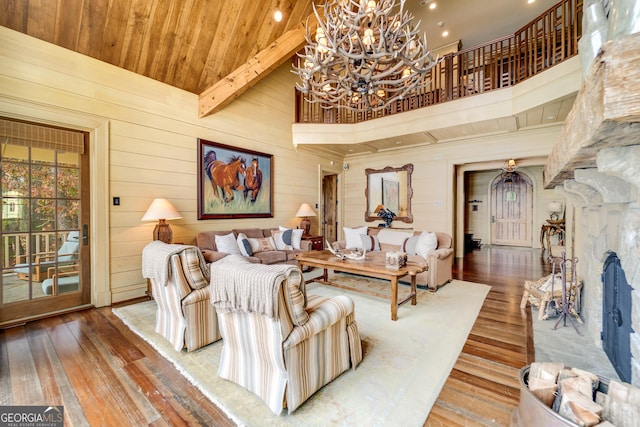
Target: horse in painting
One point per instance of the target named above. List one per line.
(253, 180)
(224, 176)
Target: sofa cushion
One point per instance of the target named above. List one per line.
(227, 243)
(271, 257)
(370, 243)
(207, 239)
(409, 245)
(352, 236)
(252, 233)
(196, 273)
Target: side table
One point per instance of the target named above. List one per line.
(316, 242)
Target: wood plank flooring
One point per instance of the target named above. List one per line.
(105, 375)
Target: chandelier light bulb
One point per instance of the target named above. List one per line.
(277, 16)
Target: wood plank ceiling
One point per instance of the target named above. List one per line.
(188, 44)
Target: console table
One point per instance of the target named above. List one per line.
(551, 229)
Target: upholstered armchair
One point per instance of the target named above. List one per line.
(179, 279)
(278, 342)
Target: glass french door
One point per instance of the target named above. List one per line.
(44, 220)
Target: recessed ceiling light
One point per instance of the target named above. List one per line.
(433, 5)
(531, 1)
(277, 16)
(445, 33)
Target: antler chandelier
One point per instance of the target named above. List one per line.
(363, 56)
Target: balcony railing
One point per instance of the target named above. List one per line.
(546, 41)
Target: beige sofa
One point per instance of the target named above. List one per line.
(207, 243)
(439, 260)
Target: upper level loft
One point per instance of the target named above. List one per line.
(547, 41)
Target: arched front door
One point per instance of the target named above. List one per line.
(511, 210)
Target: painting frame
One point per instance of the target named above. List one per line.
(390, 194)
(224, 192)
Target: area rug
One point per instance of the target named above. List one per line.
(405, 363)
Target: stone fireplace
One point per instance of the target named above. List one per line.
(597, 168)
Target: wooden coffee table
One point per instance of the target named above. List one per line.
(366, 267)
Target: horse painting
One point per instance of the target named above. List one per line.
(224, 176)
(253, 180)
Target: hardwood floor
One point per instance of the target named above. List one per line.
(483, 387)
(106, 375)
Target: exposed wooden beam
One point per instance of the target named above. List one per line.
(255, 69)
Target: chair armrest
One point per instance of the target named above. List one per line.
(63, 270)
(324, 315)
(305, 245)
(440, 253)
(212, 256)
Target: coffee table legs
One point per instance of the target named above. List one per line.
(394, 298)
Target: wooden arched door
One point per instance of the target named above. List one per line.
(512, 210)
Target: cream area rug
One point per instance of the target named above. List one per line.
(405, 362)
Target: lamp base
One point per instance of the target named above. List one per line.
(305, 224)
(163, 232)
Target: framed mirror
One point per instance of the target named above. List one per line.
(391, 188)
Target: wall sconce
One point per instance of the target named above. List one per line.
(305, 212)
(161, 210)
(554, 209)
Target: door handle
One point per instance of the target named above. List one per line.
(85, 235)
(493, 219)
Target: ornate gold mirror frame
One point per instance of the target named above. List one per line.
(391, 188)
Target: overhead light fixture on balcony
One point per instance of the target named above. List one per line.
(364, 55)
(508, 170)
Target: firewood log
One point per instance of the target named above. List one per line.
(543, 390)
(580, 409)
(546, 371)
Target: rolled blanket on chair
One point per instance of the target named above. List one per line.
(247, 286)
(155, 260)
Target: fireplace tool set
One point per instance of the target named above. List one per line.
(567, 266)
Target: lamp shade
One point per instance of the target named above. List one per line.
(161, 209)
(305, 210)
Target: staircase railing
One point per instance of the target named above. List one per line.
(546, 41)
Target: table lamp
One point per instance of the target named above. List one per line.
(161, 210)
(305, 212)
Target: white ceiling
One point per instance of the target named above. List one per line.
(474, 22)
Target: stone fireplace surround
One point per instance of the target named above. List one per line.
(596, 166)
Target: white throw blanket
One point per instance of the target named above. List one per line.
(156, 260)
(237, 284)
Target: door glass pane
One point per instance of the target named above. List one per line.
(40, 223)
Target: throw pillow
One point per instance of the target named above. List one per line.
(244, 245)
(352, 237)
(426, 243)
(281, 238)
(296, 236)
(409, 246)
(296, 298)
(196, 273)
(370, 243)
(227, 244)
(265, 244)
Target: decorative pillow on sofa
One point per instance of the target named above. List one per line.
(409, 245)
(265, 244)
(290, 237)
(227, 244)
(244, 245)
(352, 237)
(370, 243)
(426, 243)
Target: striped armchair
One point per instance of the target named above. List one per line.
(179, 279)
(285, 351)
